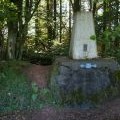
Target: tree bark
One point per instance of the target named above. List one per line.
(18, 28)
(104, 16)
(117, 3)
(70, 20)
(37, 31)
(77, 5)
(12, 35)
(1, 44)
(60, 21)
(54, 19)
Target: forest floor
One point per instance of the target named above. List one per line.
(108, 111)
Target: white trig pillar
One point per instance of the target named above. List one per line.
(81, 46)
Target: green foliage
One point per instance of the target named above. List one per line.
(46, 59)
(61, 49)
(47, 96)
(112, 91)
(47, 26)
(110, 39)
(7, 10)
(35, 91)
(17, 66)
(116, 80)
(76, 97)
(93, 37)
(39, 58)
(54, 87)
(17, 92)
(7, 13)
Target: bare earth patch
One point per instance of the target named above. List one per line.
(40, 74)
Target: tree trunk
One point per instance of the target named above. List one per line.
(21, 39)
(104, 16)
(54, 19)
(1, 44)
(27, 13)
(69, 20)
(37, 31)
(12, 35)
(117, 13)
(77, 5)
(60, 21)
(49, 19)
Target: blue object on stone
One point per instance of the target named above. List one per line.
(94, 66)
(88, 66)
(82, 66)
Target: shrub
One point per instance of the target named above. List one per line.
(41, 58)
(108, 43)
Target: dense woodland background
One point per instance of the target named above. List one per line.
(38, 30)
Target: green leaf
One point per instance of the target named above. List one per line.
(93, 37)
(34, 87)
(34, 97)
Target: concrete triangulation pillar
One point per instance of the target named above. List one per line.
(81, 46)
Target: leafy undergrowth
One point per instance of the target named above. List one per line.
(19, 93)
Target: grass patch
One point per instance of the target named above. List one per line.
(17, 92)
(14, 88)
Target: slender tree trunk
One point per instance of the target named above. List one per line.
(104, 16)
(77, 5)
(49, 19)
(103, 48)
(60, 21)
(117, 3)
(91, 4)
(1, 44)
(109, 19)
(37, 31)
(55, 12)
(94, 7)
(116, 23)
(50, 24)
(69, 21)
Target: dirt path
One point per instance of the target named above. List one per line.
(109, 111)
(40, 74)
